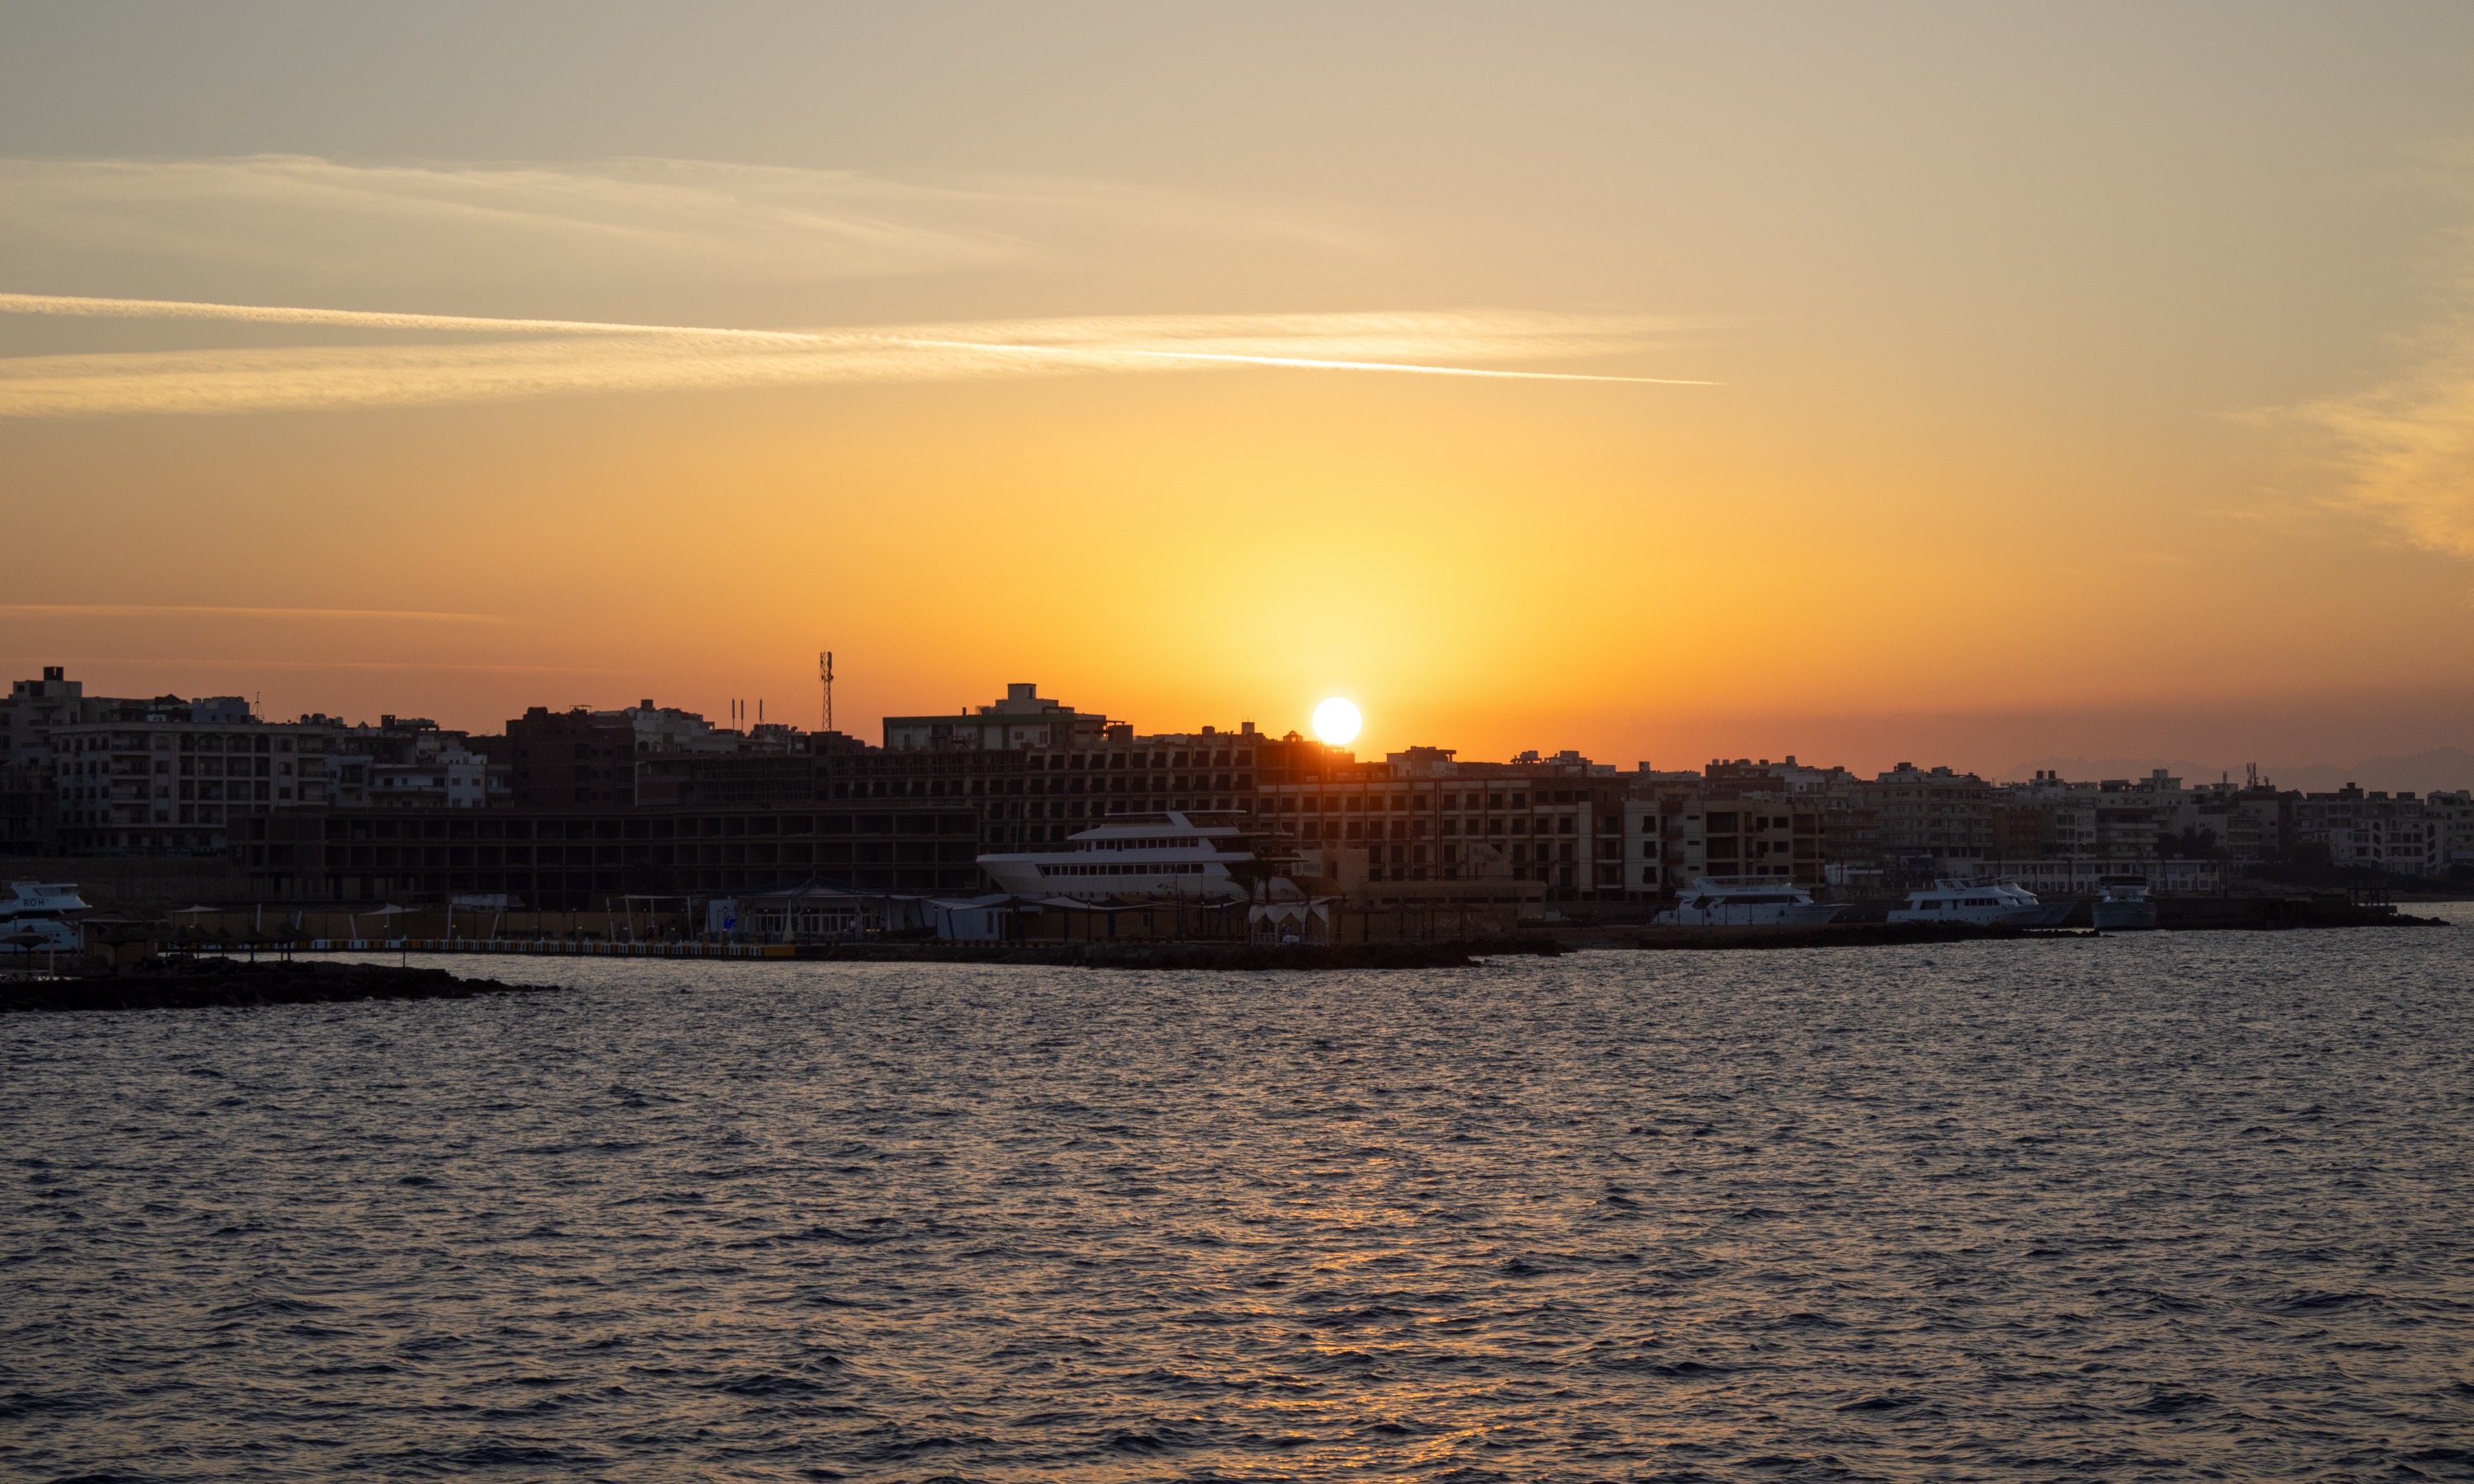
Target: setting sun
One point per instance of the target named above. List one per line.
(1336, 720)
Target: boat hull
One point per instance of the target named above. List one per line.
(1765, 915)
(57, 936)
(2125, 917)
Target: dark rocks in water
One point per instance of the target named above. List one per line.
(193, 984)
(1236, 956)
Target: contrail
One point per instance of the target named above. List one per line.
(435, 359)
(1310, 363)
(361, 318)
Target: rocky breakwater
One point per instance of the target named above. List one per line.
(196, 984)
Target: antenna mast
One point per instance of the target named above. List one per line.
(825, 676)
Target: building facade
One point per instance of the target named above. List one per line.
(583, 860)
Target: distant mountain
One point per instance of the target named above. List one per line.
(2420, 773)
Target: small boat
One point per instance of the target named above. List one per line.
(34, 918)
(2125, 907)
(1745, 901)
(1987, 904)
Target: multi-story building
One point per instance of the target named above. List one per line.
(1665, 839)
(2047, 818)
(584, 760)
(1045, 770)
(2318, 817)
(450, 779)
(2244, 823)
(31, 794)
(2375, 830)
(1765, 819)
(169, 778)
(589, 860)
(410, 762)
(2403, 841)
(1932, 822)
(1023, 721)
(2455, 811)
(2133, 815)
(1753, 837)
(1422, 815)
(1034, 769)
(1116, 772)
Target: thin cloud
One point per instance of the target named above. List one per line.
(201, 611)
(615, 224)
(521, 358)
(2409, 448)
(66, 306)
(228, 663)
(310, 218)
(2406, 446)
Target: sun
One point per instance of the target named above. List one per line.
(1336, 720)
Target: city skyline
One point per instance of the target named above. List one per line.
(2433, 770)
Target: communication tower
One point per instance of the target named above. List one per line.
(825, 678)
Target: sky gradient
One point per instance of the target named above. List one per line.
(1895, 382)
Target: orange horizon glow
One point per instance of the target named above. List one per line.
(1651, 388)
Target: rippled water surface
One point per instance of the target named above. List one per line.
(2154, 1207)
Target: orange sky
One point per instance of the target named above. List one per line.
(2084, 385)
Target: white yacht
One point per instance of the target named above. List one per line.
(34, 918)
(2125, 907)
(1745, 901)
(1177, 854)
(1988, 904)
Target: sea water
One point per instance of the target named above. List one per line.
(2168, 1206)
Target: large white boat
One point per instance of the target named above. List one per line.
(1745, 901)
(1987, 904)
(34, 918)
(1178, 853)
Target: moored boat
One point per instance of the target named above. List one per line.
(1984, 903)
(2123, 906)
(1746, 902)
(34, 918)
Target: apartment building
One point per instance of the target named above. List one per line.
(1424, 815)
(580, 758)
(1665, 839)
(1023, 720)
(585, 860)
(1932, 821)
(2378, 831)
(169, 781)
